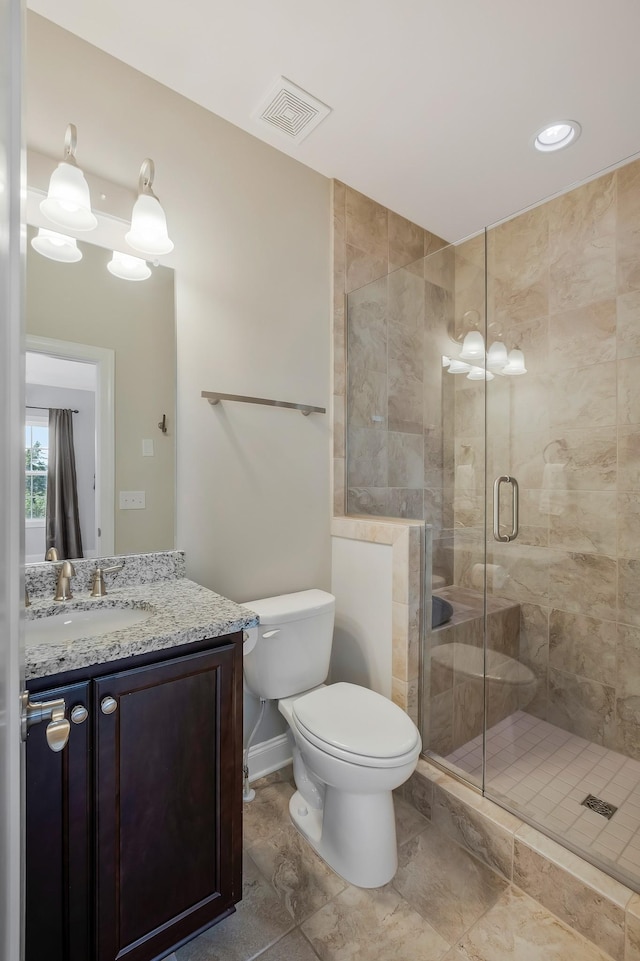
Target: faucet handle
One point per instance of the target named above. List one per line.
(98, 588)
(51, 555)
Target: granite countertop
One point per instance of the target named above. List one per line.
(179, 612)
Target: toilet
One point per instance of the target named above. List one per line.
(351, 746)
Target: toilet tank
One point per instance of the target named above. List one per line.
(293, 648)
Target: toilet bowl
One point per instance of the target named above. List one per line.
(351, 746)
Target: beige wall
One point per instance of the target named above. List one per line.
(84, 304)
(251, 232)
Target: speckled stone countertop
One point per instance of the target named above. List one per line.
(179, 612)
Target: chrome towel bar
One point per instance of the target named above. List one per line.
(214, 397)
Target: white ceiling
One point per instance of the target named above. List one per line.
(434, 101)
(52, 371)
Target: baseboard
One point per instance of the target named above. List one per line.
(269, 756)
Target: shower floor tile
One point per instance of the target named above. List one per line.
(547, 772)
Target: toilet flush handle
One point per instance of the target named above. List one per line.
(273, 633)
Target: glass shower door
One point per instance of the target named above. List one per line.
(453, 702)
(562, 687)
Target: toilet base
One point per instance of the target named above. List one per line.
(355, 834)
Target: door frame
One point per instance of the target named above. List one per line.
(104, 360)
(11, 482)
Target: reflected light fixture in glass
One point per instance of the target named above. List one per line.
(148, 233)
(479, 373)
(56, 246)
(472, 346)
(515, 366)
(128, 267)
(459, 367)
(68, 202)
(497, 357)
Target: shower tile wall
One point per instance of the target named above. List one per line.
(386, 436)
(564, 285)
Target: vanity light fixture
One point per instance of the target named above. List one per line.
(148, 233)
(56, 246)
(68, 203)
(557, 135)
(127, 267)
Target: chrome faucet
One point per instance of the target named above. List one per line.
(63, 587)
(97, 579)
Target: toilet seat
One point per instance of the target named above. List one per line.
(356, 725)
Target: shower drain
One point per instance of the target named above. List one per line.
(599, 806)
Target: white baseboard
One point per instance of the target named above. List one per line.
(269, 756)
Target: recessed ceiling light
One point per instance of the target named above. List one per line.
(557, 135)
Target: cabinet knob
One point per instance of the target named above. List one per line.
(79, 714)
(108, 705)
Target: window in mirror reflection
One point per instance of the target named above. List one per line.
(36, 449)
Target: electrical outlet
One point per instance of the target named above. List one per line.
(132, 500)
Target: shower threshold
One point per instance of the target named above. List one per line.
(547, 773)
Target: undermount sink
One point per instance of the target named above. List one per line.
(68, 625)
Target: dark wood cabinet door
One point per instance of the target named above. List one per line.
(58, 802)
(168, 802)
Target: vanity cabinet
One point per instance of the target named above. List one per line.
(145, 842)
(57, 827)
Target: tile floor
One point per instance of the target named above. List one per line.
(443, 904)
(548, 772)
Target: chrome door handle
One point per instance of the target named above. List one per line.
(32, 713)
(515, 521)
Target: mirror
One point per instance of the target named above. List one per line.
(96, 326)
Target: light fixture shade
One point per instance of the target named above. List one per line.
(497, 358)
(56, 246)
(148, 232)
(458, 367)
(127, 267)
(515, 367)
(479, 373)
(68, 203)
(472, 346)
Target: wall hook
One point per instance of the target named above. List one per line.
(162, 424)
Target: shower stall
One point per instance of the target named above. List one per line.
(493, 391)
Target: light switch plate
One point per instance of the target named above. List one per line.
(147, 447)
(132, 500)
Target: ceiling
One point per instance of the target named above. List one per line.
(434, 102)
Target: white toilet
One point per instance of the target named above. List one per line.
(351, 746)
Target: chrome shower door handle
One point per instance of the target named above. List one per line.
(505, 479)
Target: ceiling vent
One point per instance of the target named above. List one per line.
(291, 110)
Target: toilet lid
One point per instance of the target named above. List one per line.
(356, 720)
